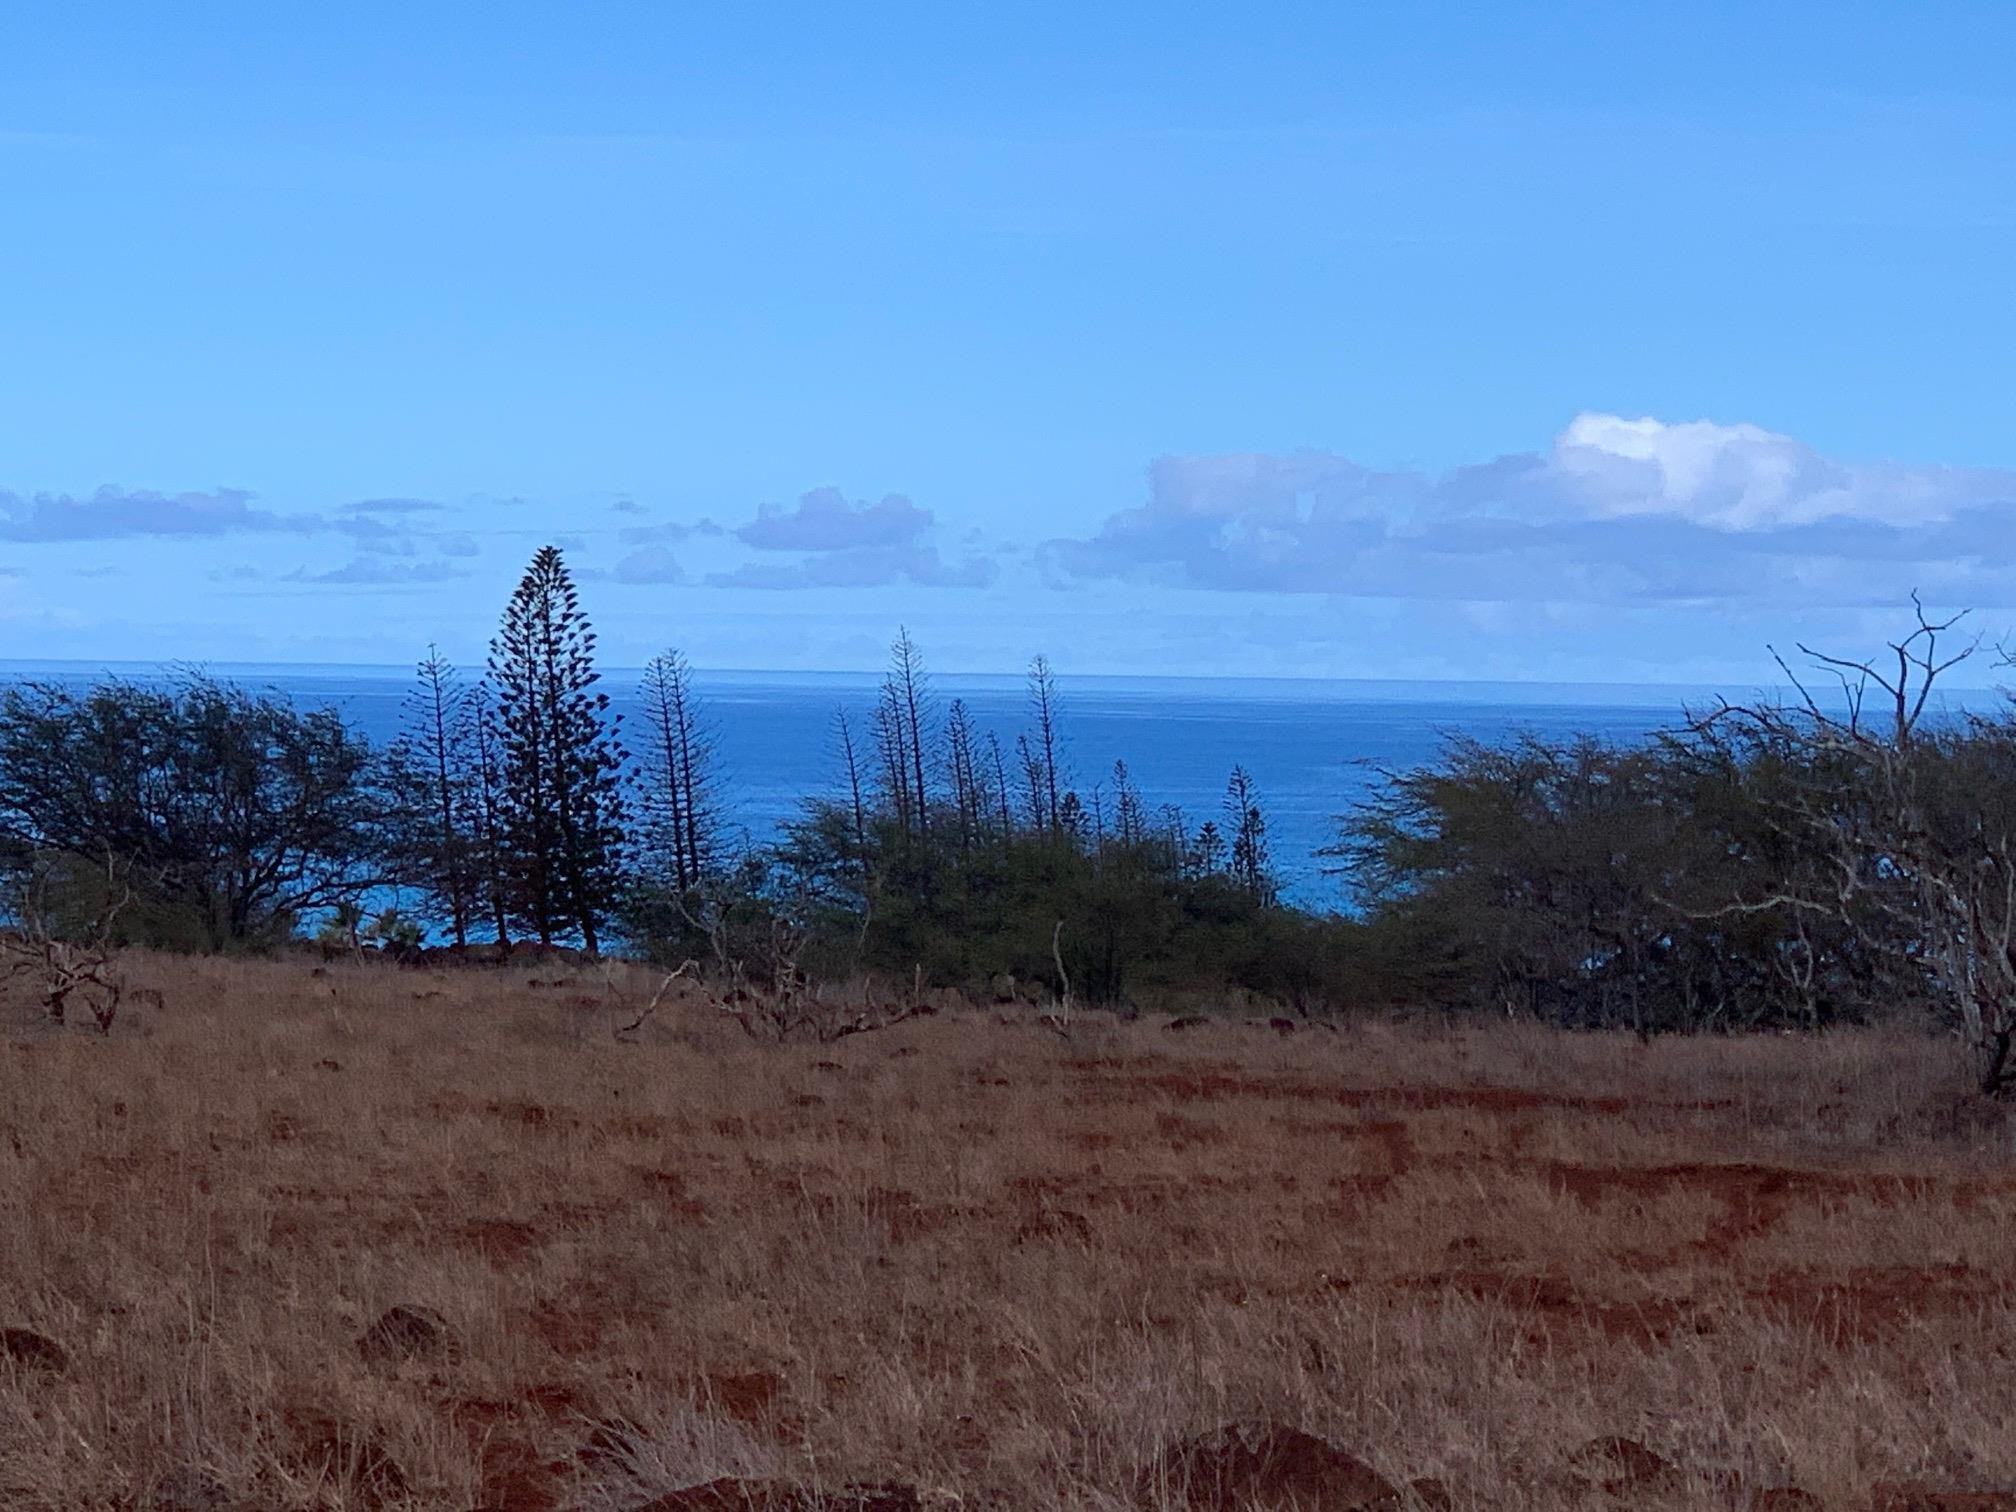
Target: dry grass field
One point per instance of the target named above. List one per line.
(979, 1264)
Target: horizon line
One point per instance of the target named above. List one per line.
(405, 670)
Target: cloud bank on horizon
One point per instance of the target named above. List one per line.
(1617, 510)
(1617, 516)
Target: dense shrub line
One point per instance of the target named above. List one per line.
(1770, 866)
(221, 818)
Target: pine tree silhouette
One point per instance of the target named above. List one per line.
(430, 761)
(676, 777)
(561, 812)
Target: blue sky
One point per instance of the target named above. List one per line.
(1552, 342)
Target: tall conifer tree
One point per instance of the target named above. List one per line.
(429, 767)
(561, 811)
(1248, 856)
(676, 776)
(909, 695)
(483, 798)
(1049, 775)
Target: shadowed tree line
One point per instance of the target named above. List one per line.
(515, 807)
(1789, 864)
(1775, 865)
(941, 857)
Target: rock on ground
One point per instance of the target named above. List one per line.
(1269, 1467)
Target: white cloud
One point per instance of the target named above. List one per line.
(671, 530)
(392, 507)
(1616, 510)
(863, 567)
(113, 513)
(1743, 477)
(827, 520)
(377, 572)
(648, 564)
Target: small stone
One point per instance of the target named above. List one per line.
(1269, 1467)
(1621, 1465)
(32, 1351)
(407, 1332)
(1054, 1223)
(1785, 1499)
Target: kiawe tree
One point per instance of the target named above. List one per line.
(228, 814)
(560, 801)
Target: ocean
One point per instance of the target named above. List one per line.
(1314, 748)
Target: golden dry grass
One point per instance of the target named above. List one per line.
(973, 1257)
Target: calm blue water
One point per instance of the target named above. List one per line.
(1313, 747)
